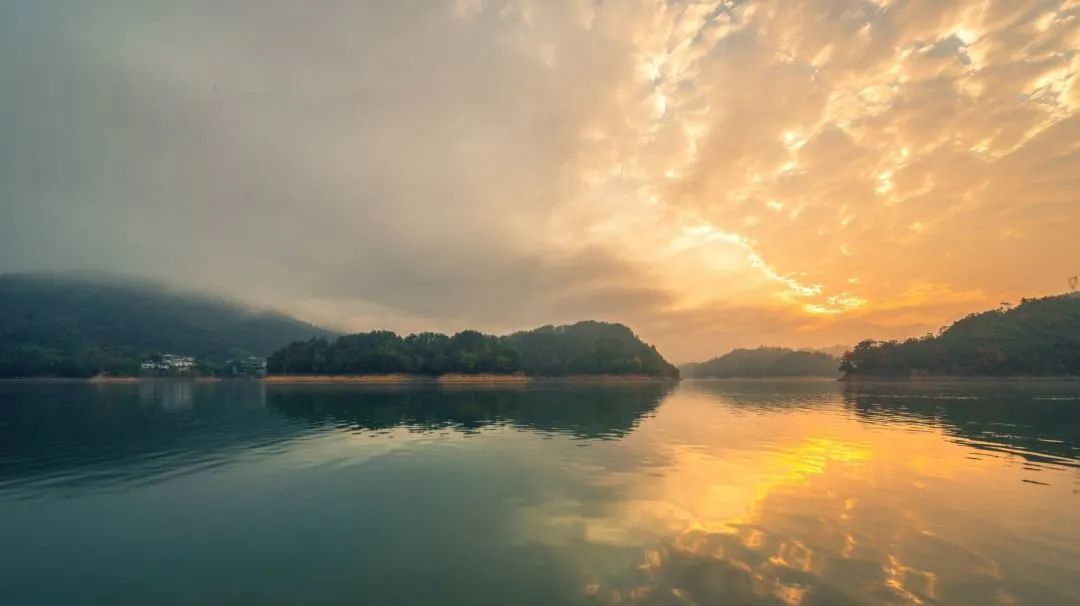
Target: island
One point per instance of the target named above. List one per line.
(587, 349)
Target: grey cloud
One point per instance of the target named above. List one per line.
(388, 152)
(374, 163)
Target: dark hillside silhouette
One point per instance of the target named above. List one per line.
(1038, 337)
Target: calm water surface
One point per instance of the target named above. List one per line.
(700, 493)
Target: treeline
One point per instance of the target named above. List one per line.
(1038, 337)
(765, 362)
(23, 359)
(382, 351)
(582, 348)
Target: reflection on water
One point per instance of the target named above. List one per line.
(704, 493)
(1038, 422)
(587, 411)
(57, 434)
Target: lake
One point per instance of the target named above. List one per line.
(552, 493)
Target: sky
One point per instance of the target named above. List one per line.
(713, 174)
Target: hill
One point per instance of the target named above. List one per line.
(78, 325)
(765, 362)
(585, 348)
(1038, 337)
(833, 350)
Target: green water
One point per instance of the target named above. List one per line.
(696, 493)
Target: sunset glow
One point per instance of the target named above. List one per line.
(713, 174)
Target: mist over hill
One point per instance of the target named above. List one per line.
(76, 324)
(80, 325)
(833, 350)
(765, 362)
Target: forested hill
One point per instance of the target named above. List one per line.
(79, 325)
(1038, 337)
(765, 362)
(588, 348)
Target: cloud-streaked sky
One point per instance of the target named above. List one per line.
(714, 174)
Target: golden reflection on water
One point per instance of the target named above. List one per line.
(701, 493)
(813, 506)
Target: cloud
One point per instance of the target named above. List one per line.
(507, 163)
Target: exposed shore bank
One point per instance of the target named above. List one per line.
(395, 379)
(455, 379)
(801, 379)
(960, 379)
(372, 379)
(107, 380)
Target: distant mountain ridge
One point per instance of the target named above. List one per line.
(833, 350)
(765, 362)
(74, 324)
(1038, 337)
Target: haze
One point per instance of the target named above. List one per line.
(713, 174)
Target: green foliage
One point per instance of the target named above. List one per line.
(598, 410)
(1039, 337)
(382, 351)
(71, 325)
(587, 348)
(582, 348)
(766, 362)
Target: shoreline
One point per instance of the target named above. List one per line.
(799, 379)
(519, 379)
(372, 379)
(606, 378)
(961, 379)
(454, 379)
(106, 380)
(393, 379)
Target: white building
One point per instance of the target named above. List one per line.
(171, 363)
